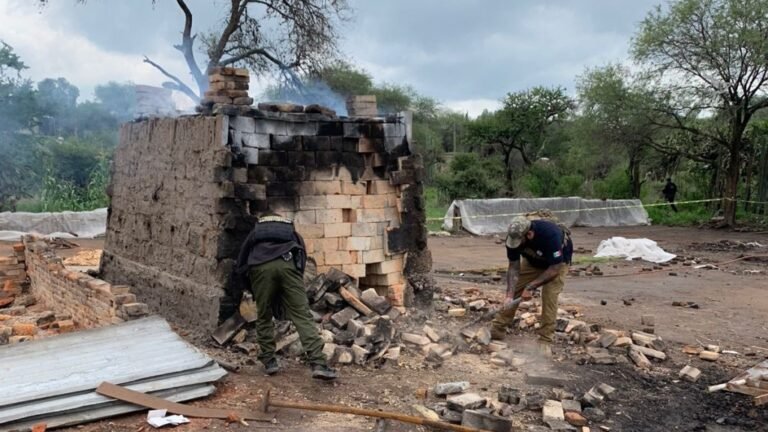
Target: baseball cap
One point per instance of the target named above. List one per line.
(516, 231)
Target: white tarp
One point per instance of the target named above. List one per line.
(644, 248)
(88, 224)
(491, 216)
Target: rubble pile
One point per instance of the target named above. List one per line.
(455, 402)
(357, 327)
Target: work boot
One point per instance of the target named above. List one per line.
(271, 366)
(498, 333)
(323, 372)
(544, 348)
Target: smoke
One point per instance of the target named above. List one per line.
(299, 91)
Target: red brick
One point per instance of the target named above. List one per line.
(375, 201)
(331, 216)
(340, 258)
(24, 329)
(311, 231)
(65, 326)
(354, 189)
(337, 230)
(395, 294)
(393, 265)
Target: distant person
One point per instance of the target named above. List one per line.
(669, 191)
(273, 258)
(539, 253)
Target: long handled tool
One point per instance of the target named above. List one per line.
(268, 402)
(487, 316)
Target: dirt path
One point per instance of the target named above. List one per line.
(733, 311)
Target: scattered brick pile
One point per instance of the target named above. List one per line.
(357, 327)
(227, 92)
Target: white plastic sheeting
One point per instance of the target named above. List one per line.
(88, 224)
(491, 216)
(643, 248)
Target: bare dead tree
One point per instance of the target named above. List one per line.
(261, 35)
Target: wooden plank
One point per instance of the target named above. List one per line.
(355, 302)
(149, 401)
(747, 390)
(761, 400)
(228, 329)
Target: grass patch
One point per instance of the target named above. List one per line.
(31, 205)
(436, 209)
(686, 216)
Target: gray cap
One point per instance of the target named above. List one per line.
(516, 231)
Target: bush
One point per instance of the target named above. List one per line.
(540, 180)
(569, 185)
(614, 186)
(685, 216)
(61, 195)
(470, 177)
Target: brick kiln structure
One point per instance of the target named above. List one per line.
(185, 193)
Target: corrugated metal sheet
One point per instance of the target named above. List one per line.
(85, 400)
(117, 408)
(54, 379)
(80, 361)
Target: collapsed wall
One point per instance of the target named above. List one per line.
(186, 192)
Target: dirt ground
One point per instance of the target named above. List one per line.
(733, 314)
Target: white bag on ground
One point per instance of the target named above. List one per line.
(644, 248)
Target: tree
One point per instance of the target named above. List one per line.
(709, 56)
(57, 99)
(521, 124)
(118, 99)
(261, 35)
(616, 113)
(18, 116)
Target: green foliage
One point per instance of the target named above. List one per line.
(541, 180)
(437, 205)
(73, 161)
(471, 177)
(687, 215)
(345, 79)
(60, 195)
(522, 126)
(569, 185)
(615, 185)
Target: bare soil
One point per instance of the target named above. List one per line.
(733, 306)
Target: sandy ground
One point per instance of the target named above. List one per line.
(733, 311)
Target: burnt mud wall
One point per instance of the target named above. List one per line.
(186, 192)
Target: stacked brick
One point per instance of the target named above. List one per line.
(347, 185)
(227, 92)
(187, 191)
(12, 269)
(162, 239)
(362, 106)
(87, 301)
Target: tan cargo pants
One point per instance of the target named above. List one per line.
(549, 294)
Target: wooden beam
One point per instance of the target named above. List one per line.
(149, 401)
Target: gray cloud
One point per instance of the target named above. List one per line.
(462, 52)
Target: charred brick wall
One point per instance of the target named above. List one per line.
(187, 191)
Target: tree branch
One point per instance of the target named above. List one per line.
(242, 56)
(180, 86)
(233, 22)
(186, 47)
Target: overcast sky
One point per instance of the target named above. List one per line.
(465, 53)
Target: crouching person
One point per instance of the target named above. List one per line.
(273, 258)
